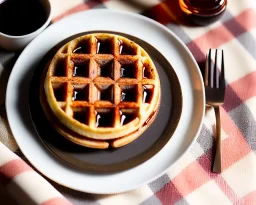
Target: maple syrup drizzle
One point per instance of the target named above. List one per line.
(126, 118)
(128, 71)
(106, 70)
(147, 94)
(128, 95)
(104, 119)
(107, 94)
(60, 69)
(103, 47)
(59, 93)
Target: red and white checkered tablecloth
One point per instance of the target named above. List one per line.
(190, 181)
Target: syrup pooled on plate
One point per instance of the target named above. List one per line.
(21, 17)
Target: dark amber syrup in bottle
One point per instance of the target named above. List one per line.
(203, 12)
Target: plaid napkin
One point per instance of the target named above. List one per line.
(15, 175)
(190, 181)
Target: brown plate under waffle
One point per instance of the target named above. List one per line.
(150, 142)
(100, 89)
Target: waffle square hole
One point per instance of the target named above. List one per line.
(81, 70)
(60, 91)
(80, 93)
(60, 68)
(104, 47)
(128, 70)
(63, 108)
(105, 118)
(107, 94)
(125, 49)
(127, 116)
(107, 69)
(147, 93)
(147, 72)
(129, 94)
(82, 116)
(82, 48)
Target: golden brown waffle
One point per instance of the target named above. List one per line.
(102, 87)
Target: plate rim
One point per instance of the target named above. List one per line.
(145, 19)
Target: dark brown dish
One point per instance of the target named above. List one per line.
(131, 155)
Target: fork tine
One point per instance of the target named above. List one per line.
(206, 70)
(210, 69)
(216, 70)
(222, 77)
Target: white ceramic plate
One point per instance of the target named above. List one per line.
(150, 31)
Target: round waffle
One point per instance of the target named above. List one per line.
(101, 88)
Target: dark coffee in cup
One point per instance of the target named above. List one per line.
(21, 17)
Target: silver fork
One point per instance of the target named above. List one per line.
(215, 87)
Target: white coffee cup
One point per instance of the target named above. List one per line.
(17, 43)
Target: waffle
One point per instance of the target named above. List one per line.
(101, 89)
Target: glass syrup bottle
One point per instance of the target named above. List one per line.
(203, 12)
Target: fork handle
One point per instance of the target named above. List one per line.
(217, 166)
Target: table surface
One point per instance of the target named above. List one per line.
(235, 33)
